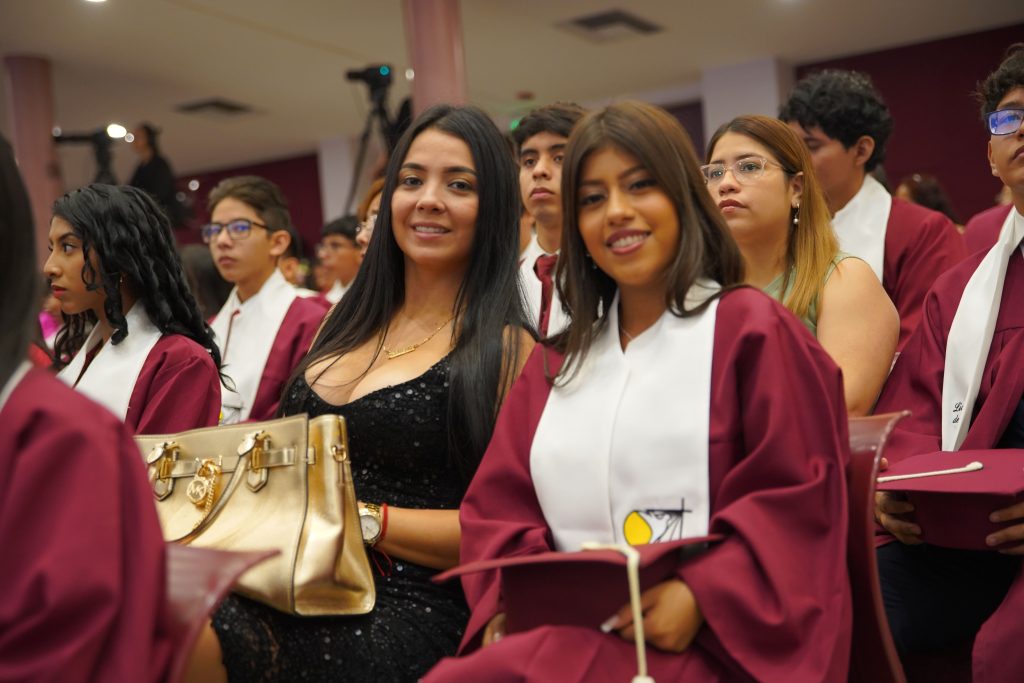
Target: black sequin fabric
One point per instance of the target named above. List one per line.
(399, 450)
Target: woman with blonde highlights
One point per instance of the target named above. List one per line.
(760, 176)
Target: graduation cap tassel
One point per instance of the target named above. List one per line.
(633, 574)
(970, 467)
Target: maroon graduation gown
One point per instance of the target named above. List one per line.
(774, 594)
(83, 563)
(290, 345)
(920, 245)
(178, 389)
(916, 385)
(982, 231)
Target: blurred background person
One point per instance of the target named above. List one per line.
(367, 215)
(154, 174)
(340, 255)
(926, 190)
(208, 287)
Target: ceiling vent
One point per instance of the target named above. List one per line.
(609, 26)
(214, 108)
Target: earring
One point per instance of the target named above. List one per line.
(796, 215)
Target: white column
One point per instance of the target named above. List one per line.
(756, 87)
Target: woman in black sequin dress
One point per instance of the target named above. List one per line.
(417, 357)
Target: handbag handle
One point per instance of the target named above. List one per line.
(252, 442)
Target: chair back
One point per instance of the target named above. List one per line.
(197, 580)
(873, 656)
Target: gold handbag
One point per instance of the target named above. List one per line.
(281, 484)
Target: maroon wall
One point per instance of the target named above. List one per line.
(298, 178)
(928, 88)
(691, 115)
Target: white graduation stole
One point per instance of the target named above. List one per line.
(111, 376)
(970, 335)
(861, 224)
(246, 349)
(621, 453)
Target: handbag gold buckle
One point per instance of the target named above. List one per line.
(161, 462)
(255, 444)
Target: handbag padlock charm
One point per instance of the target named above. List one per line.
(202, 489)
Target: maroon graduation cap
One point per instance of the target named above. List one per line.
(954, 492)
(577, 588)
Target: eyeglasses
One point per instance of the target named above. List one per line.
(367, 225)
(1004, 121)
(745, 170)
(337, 245)
(237, 229)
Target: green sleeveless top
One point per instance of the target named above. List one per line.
(810, 321)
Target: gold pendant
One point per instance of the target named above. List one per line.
(400, 352)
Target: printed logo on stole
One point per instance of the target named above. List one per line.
(654, 525)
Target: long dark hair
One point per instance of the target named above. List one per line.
(132, 239)
(706, 249)
(488, 300)
(18, 267)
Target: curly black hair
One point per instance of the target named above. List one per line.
(1009, 75)
(132, 239)
(845, 105)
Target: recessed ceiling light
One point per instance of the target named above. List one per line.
(96, 1)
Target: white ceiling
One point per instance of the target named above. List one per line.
(135, 60)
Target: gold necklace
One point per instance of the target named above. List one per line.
(412, 347)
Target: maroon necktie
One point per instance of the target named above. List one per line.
(544, 267)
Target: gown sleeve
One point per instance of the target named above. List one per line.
(83, 567)
(177, 390)
(933, 246)
(774, 593)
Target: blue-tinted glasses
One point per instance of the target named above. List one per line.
(237, 229)
(1004, 121)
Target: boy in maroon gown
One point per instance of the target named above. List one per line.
(845, 124)
(540, 140)
(264, 328)
(936, 597)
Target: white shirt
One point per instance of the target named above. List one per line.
(245, 332)
(532, 289)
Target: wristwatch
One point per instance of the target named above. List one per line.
(371, 523)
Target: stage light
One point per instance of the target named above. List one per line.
(116, 131)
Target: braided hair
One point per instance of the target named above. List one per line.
(132, 239)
